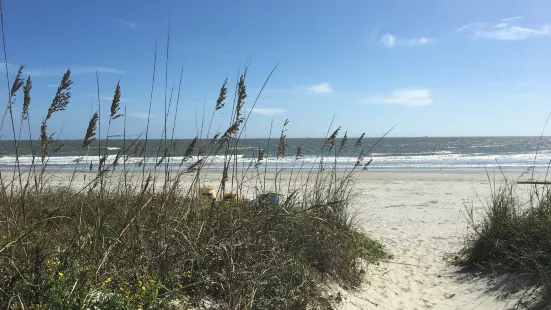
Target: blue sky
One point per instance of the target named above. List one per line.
(434, 68)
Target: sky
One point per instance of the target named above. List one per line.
(432, 68)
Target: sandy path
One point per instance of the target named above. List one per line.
(419, 217)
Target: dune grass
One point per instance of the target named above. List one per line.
(513, 237)
(122, 234)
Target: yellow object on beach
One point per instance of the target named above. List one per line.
(231, 196)
(207, 192)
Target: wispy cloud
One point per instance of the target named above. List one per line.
(510, 19)
(141, 115)
(505, 30)
(127, 23)
(389, 40)
(44, 72)
(463, 28)
(513, 33)
(267, 111)
(36, 72)
(321, 88)
(111, 99)
(406, 97)
(100, 69)
(53, 85)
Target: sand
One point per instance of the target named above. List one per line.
(420, 217)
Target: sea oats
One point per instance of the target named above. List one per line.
(17, 83)
(59, 103)
(189, 151)
(282, 146)
(115, 104)
(368, 163)
(222, 96)
(299, 152)
(261, 154)
(26, 98)
(195, 166)
(62, 96)
(213, 140)
(344, 140)
(360, 141)
(331, 140)
(91, 131)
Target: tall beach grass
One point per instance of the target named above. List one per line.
(511, 239)
(120, 235)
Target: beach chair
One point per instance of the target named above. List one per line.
(207, 193)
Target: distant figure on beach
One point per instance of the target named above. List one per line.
(91, 165)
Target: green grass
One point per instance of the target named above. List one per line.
(513, 237)
(139, 248)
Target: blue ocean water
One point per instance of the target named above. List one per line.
(458, 153)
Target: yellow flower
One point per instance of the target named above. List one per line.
(4, 237)
(143, 288)
(121, 289)
(107, 281)
(140, 282)
(60, 274)
(151, 281)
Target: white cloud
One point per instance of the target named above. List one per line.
(505, 30)
(111, 99)
(60, 71)
(35, 72)
(417, 41)
(389, 40)
(322, 88)
(44, 72)
(510, 19)
(406, 97)
(100, 69)
(501, 25)
(141, 115)
(130, 25)
(53, 85)
(513, 33)
(463, 28)
(267, 111)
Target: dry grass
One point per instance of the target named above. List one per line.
(513, 237)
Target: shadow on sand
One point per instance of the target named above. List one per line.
(524, 287)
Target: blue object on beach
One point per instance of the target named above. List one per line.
(274, 198)
(269, 198)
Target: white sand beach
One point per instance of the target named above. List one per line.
(419, 216)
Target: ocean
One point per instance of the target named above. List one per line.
(461, 153)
